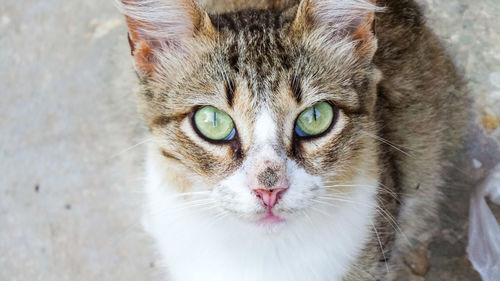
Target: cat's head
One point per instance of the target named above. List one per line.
(269, 113)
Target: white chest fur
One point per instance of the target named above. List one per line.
(199, 245)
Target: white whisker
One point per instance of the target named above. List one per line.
(129, 148)
(398, 148)
(381, 247)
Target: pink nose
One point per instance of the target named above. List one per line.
(269, 196)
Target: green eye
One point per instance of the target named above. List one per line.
(315, 120)
(214, 124)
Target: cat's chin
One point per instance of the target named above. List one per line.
(270, 219)
(270, 223)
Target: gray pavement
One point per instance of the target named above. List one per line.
(70, 189)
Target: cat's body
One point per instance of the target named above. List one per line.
(351, 201)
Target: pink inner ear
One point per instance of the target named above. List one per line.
(154, 24)
(160, 20)
(161, 24)
(140, 49)
(346, 19)
(364, 34)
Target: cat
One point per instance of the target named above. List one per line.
(293, 140)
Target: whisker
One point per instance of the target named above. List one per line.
(172, 214)
(323, 202)
(398, 148)
(335, 196)
(343, 200)
(393, 223)
(320, 211)
(381, 248)
(129, 148)
(390, 219)
(185, 206)
(379, 185)
(190, 193)
(306, 215)
(209, 223)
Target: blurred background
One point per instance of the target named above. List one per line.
(71, 143)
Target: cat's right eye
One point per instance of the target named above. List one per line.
(214, 124)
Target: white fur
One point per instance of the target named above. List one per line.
(265, 129)
(220, 241)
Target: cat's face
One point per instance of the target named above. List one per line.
(268, 113)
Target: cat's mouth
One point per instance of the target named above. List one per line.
(270, 218)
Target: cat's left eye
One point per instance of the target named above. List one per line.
(214, 124)
(315, 120)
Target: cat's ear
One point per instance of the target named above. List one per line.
(162, 25)
(332, 21)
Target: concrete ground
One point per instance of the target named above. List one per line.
(70, 140)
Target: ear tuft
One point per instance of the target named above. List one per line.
(338, 20)
(161, 24)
